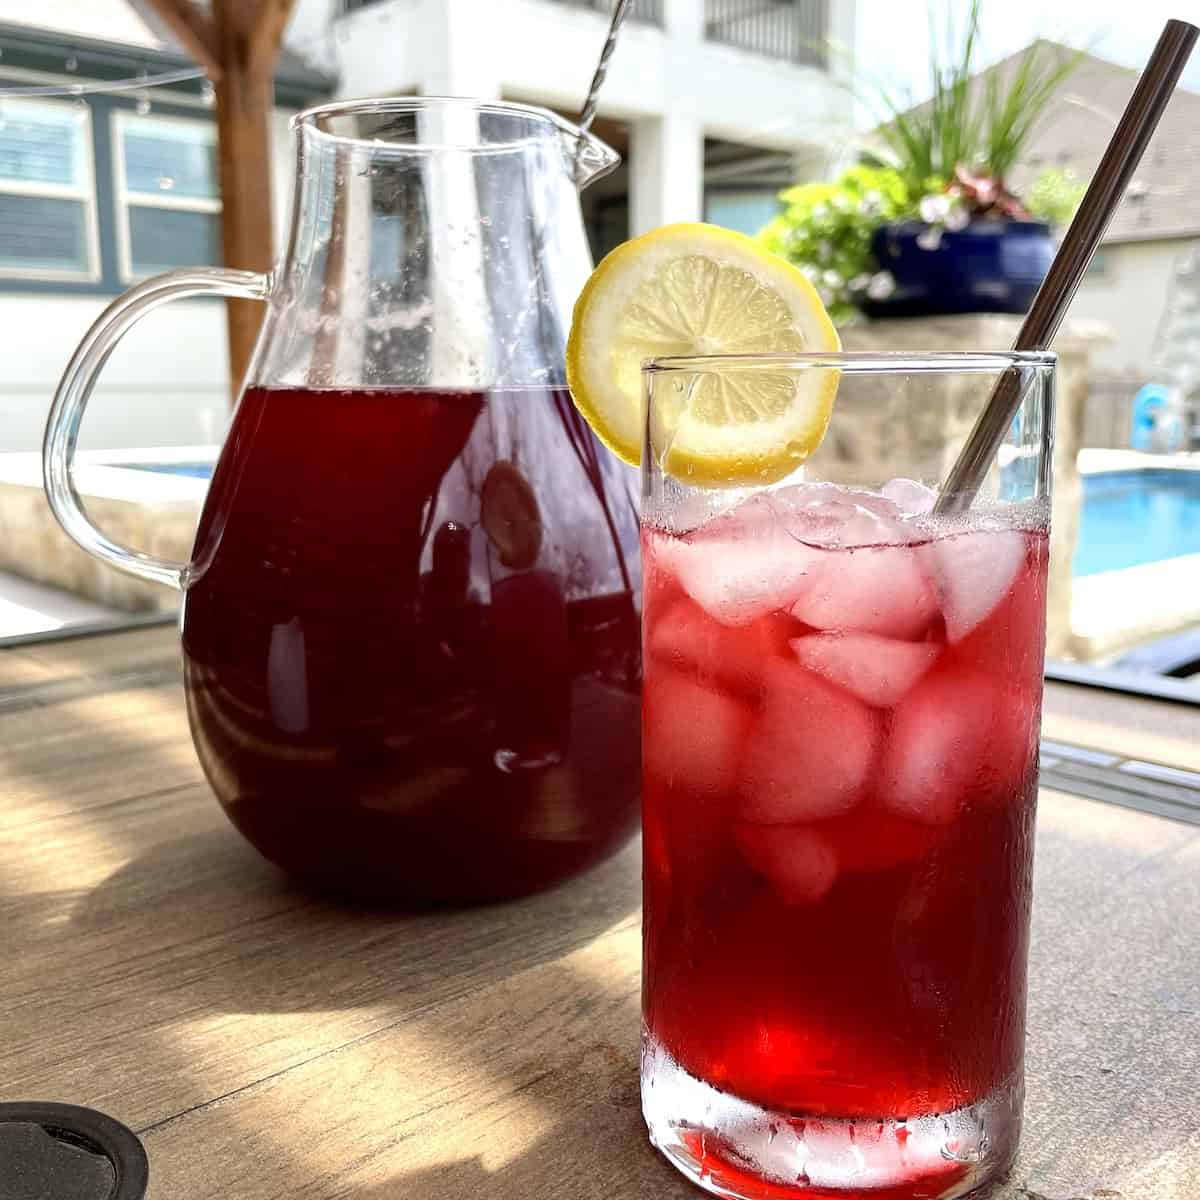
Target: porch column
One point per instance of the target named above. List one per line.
(666, 171)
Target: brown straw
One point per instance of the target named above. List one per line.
(1120, 160)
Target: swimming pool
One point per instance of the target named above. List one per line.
(190, 470)
(1134, 517)
(1128, 517)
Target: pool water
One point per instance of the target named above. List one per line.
(189, 470)
(1135, 517)
(1128, 517)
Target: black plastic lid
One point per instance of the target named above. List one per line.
(68, 1153)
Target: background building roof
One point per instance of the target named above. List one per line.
(1163, 199)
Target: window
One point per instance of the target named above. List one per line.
(747, 212)
(47, 192)
(168, 213)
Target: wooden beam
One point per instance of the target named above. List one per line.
(194, 30)
(244, 107)
(266, 36)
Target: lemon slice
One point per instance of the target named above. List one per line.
(698, 289)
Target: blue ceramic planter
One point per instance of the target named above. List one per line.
(990, 266)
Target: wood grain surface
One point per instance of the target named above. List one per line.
(267, 1044)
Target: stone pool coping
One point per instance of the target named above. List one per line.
(157, 512)
(1113, 611)
(1102, 462)
(150, 511)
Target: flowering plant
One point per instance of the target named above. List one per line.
(943, 163)
(972, 130)
(826, 230)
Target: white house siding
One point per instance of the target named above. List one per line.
(1127, 293)
(166, 384)
(672, 84)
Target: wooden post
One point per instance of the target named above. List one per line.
(238, 46)
(244, 102)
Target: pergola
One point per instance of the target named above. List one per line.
(237, 43)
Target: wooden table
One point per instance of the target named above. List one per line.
(267, 1044)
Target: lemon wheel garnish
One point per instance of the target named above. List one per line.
(698, 289)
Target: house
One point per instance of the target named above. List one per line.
(713, 104)
(1157, 223)
(99, 191)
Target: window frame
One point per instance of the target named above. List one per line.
(85, 193)
(123, 197)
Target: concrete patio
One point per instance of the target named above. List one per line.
(27, 608)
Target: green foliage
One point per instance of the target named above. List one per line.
(826, 228)
(981, 128)
(948, 158)
(1054, 196)
(1010, 113)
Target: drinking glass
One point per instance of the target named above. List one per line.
(842, 698)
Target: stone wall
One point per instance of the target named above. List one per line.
(148, 512)
(949, 412)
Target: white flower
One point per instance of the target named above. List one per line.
(881, 286)
(870, 204)
(958, 217)
(832, 279)
(860, 283)
(824, 251)
(819, 212)
(934, 208)
(840, 203)
(930, 238)
(810, 272)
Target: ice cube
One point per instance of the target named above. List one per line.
(693, 735)
(798, 863)
(1012, 639)
(740, 567)
(809, 753)
(879, 589)
(873, 839)
(958, 736)
(911, 498)
(973, 572)
(824, 514)
(732, 657)
(876, 669)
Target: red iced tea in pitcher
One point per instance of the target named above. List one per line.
(411, 639)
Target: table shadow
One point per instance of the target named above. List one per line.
(243, 938)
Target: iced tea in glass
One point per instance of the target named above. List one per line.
(840, 728)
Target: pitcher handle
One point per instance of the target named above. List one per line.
(75, 389)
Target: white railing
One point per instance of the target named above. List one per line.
(792, 30)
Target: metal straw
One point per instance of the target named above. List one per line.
(1120, 160)
(588, 113)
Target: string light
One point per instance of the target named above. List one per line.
(142, 82)
(139, 83)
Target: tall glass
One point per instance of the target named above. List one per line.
(842, 697)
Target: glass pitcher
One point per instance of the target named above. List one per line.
(410, 623)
